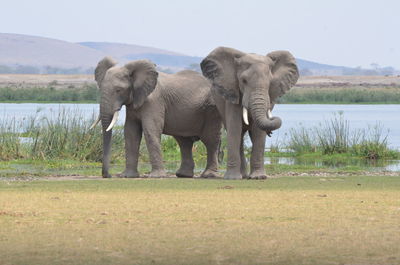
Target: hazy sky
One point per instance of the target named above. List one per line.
(339, 32)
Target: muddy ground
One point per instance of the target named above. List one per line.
(316, 173)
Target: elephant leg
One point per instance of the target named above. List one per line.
(212, 144)
(133, 136)
(243, 161)
(233, 123)
(152, 135)
(187, 163)
(106, 154)
(257, 169)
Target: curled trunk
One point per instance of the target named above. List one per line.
(260, 104)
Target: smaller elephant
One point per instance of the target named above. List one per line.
(157, 103)
(245, 88)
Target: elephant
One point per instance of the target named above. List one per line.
(157, 103)
(245, 88)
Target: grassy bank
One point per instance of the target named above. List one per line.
(342, 95)
(298, 95)
(287, 221)
(86, 94)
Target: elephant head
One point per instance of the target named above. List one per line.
(252, 80)
(126, 85)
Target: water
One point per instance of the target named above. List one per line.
(293, 116)
(22, 111)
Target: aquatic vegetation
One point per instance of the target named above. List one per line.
(335, 136)
(67, 136)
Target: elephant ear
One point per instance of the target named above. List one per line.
(284, 73)
(220, 68)
(102, 68)
(143, 76)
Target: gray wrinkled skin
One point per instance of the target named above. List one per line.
(156, 103)
(255, 82)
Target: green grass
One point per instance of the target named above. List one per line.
(342, 95)
(302, 164)
(289, 220)
(88, 93)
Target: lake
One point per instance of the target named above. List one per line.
(293, 116)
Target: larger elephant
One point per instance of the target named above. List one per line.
(174, 104)
(245, 88)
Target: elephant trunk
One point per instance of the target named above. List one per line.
(260, 106)
(106, 117)
(106, 153)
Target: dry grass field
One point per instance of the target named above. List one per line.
(287, 220)
(65, 81)
(349, 81)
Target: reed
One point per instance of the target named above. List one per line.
(66, 135)
(335, 136)
(10, 142)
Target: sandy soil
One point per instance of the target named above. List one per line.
(69, 81)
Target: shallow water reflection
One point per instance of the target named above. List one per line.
(367, 164)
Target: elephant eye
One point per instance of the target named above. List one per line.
(244, 81)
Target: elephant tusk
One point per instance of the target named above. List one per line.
(269, 114)
(114, 120)
(95, 123)
(245, 116)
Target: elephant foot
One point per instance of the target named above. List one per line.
(157, 174)
(129, 174)
(258, 175)
(181, 173)
(232, 175)
(209, 174)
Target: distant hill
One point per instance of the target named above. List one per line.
(16, 49)
(127, 52)
(31, 55)
(122, 50)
